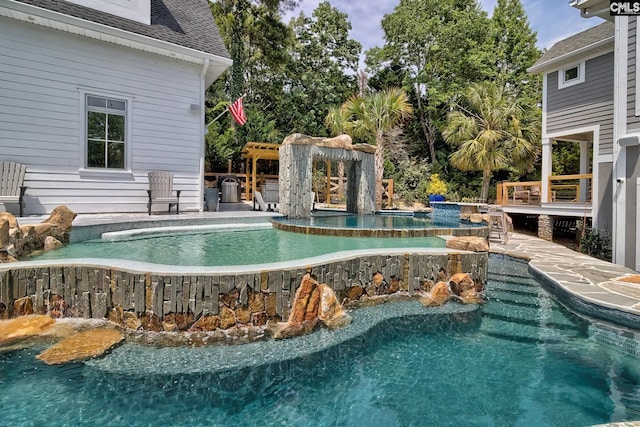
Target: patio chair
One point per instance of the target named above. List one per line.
(534, 194)
(498, 225)
(161, 190)
(259, 201)
(521, 195)
(11, 183)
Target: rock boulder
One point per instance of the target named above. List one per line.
(82, 346)
(24, 327)
(438, 295)
(468, 243)
(331, 312)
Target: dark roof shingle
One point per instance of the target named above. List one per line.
(576, 42)
(186, 23)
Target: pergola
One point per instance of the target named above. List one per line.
(252, 152)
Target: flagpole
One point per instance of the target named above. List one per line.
(218, 116)
(222, 114)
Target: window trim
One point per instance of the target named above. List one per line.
(96, 172)
(562, 83)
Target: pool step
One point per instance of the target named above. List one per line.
(520, 311)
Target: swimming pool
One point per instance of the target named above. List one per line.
(521, 360)
(239, 246)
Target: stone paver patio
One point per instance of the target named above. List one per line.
(591, 286)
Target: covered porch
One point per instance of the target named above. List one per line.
(571, 194)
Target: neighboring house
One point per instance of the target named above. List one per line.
(582, 108)
(577, 107)
(94, 94)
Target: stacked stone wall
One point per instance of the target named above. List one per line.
(251, 298)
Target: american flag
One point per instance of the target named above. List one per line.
(237, 111)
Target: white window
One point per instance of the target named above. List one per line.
(571, 75)
(106, 130)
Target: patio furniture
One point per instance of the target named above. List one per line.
(11, 183)
(521, 195)
(258, 200)
(270, 193)
(498, 225)
(161, 190)
(534, 194)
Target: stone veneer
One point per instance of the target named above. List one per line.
(92, 291)
(382, 232)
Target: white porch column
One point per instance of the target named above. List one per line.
(546, 169)
(584, 169)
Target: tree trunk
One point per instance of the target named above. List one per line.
(486, 181)
(428, 129)
(379, 160)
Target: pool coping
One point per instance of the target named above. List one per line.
(137, 266)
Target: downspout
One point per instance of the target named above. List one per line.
(203, 132)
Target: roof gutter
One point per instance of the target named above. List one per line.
(567, 56)
(70, 24)
(588, 13)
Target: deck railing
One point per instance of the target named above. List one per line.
(574, 188)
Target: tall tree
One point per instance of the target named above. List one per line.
(373, 116)
(246, 24)
(514, 42)
(489, 133)
(322, 70)
(439, 46)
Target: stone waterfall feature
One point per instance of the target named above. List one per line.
(296, 166)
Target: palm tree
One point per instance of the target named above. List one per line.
(372, 116)
(491, 133)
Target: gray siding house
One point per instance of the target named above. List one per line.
(577, 108)
(616, 152)
(71, 69)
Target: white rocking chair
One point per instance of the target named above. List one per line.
(161, 190)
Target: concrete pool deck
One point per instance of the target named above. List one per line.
(593, 287)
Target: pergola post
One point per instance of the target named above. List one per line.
(328, 196)
(247, 180)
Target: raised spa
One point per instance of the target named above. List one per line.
(444, 220)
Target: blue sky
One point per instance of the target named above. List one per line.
(552, 20)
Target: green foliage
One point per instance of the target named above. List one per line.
(293, 74)
(595, 243)
(565, 157)
(411, 181)
(389, 168)
(373, 115)
(318, 181)
(436, 185)
(321, 71)
(260, 127)
(491, 133)
(514, 44)
(437, 48)
(219, 146)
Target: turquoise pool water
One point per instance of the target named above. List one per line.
(230, 247)
(381, 221)
(520, 360)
